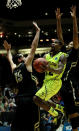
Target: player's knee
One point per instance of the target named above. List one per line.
(36, 99)
(74, 119)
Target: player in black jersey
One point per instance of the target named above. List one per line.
(26, 111)
(72, 49)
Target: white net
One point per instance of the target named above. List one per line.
(13, 3)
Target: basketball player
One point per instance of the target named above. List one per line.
(68, 80)
(26, 111)
(52, 82)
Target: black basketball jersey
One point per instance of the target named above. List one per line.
(71, 64)
(25, 80)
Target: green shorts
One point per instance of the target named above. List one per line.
(49, 89)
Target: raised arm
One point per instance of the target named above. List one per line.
(30, 57)
(75, 27)
(59, 28)
(9, 55)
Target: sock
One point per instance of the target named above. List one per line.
(59, 108)
(53, 112)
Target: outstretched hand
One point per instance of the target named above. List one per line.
(36, 26)
(58, 13)
(6, 45)
(73, 11)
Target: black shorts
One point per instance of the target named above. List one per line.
(67, 96)
(75, 122)
(69, 103)
(26, 114)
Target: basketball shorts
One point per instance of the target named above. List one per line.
(67, 96)
(75, 122)
(49, 89)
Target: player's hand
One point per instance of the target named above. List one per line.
(73, 11)
(6, 45)
(58, 13)
(44, 67)
(36, 26)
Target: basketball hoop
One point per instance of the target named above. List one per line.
(13, 3)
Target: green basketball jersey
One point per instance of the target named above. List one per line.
(54, 59)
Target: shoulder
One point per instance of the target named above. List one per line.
(46, 55)
(63, 58)
(75, 49)
(74, 53)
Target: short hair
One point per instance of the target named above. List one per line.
(57, 41)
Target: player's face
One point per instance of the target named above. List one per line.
(69, 46)
(55, 46)
(21, 59)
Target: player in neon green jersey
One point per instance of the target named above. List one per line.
(52, 81)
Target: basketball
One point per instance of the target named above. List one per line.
(38, 63)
